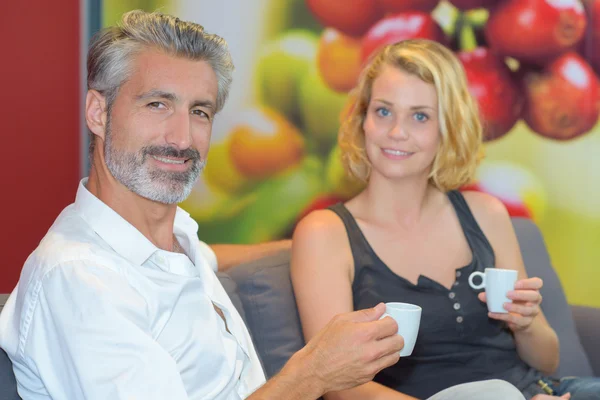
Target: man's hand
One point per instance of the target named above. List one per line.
(347, 352)
(352, 348)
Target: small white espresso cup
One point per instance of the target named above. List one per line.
(408, 318)
(497, 282)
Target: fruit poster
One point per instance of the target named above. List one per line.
(533, 66)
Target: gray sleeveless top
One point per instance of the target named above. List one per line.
(457, 342)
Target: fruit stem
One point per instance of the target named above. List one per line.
(467, 38)
(477, 17)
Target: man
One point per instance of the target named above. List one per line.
(120, 299)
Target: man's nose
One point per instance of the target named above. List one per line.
(180, 134)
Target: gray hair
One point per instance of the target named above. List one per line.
(112, 49)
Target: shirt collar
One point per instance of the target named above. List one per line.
(119, 234)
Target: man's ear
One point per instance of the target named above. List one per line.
(95, 113)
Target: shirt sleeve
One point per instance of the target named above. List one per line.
(89, 339)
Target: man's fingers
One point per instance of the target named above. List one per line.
(368, 314)
(384, 362)
(389, 345)
(383, 328)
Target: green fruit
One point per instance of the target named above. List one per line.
(267, 212)
(112, 10)
(278, 202)
(219, 223)
(280, 67)
(320, 108)
(299, 15)
(221, 173)
(339, 181)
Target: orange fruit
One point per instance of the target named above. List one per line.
(338, 60)
(263, 142)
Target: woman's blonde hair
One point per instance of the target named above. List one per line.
(460, 148)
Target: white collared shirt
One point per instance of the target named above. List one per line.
(101, 313)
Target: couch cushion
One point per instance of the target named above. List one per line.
(265, 290)
(232, 290)
(587, 321)
(8, 385)
(573, 360)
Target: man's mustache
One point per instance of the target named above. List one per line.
(166, 151)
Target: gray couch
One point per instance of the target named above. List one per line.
(263, 294)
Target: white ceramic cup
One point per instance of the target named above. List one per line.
(408, 318)
(497, 282)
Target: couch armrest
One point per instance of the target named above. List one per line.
(587, 321)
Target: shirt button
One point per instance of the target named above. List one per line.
(459, 319)
(457, 306)
(458, 274)
(455, 283)
(452, 295)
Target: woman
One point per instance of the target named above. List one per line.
(413, 135)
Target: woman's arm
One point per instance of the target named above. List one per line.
(230, 255)
(322, 272)
(537, 343)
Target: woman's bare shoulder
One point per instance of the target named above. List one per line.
(486, 208)
(492, 217)
(320, 228)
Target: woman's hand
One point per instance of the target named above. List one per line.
(565, 396)
(525, 306)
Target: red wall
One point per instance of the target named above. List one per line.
(39, 111)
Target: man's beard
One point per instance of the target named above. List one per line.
(134, 172)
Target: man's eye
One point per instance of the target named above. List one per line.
(156, 104)
(201, 114)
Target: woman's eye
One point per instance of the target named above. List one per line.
(421, 117)
(382, 112)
